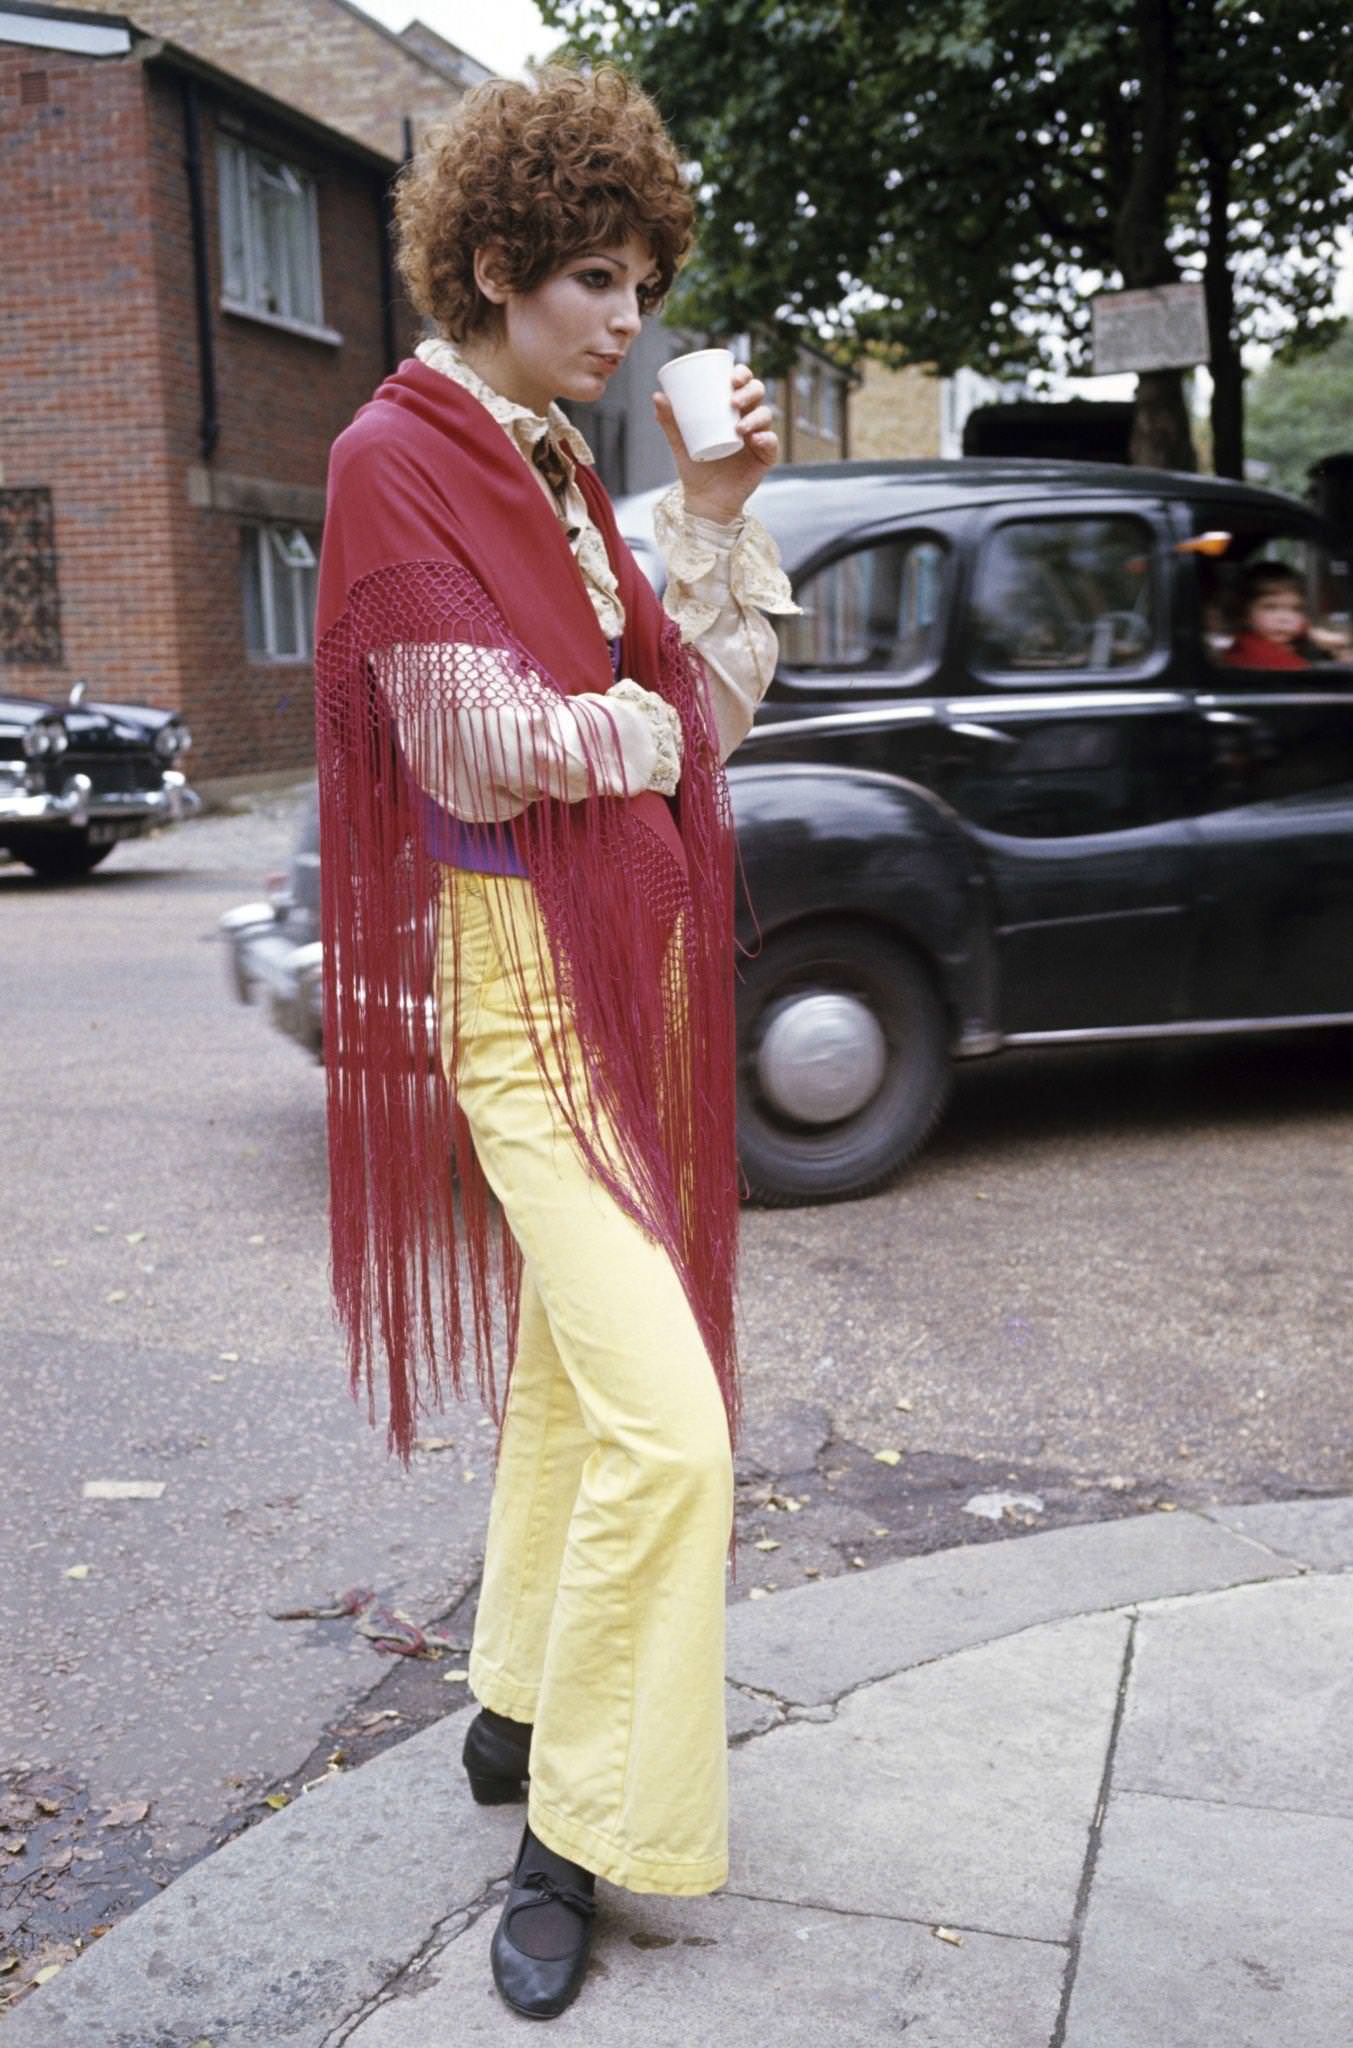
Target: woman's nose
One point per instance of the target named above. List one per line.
(627, 318)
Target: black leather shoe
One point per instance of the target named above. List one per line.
(497, 1759)
(549, 1908)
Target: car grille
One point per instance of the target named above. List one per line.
(118, 776)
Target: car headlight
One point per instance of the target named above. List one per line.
(46, 737)
(171, 740)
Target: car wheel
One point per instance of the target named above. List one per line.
(843, 1063)
(59, 857)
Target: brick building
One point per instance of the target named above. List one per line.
(195, 296)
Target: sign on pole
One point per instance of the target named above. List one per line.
(1161, 328)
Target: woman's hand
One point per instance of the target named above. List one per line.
(719, 490)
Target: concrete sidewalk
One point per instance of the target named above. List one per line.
(1087, 1789)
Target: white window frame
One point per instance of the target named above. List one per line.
(242, 173)
(283, 559)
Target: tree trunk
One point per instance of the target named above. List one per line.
(1161, 435)
(1228, 372)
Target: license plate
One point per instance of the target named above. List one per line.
(102, 833)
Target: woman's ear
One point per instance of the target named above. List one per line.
(488, 273)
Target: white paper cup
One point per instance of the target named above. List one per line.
(700, 387)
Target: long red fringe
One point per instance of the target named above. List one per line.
(421, 689)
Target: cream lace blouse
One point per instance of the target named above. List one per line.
(722, 583)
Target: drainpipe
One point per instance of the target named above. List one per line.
(209, 426)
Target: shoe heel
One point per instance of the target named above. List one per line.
(490, 1790)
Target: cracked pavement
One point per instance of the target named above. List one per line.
(1081, 1789)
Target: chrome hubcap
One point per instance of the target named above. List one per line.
(821, 1057)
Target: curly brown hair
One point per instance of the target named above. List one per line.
(566, 162)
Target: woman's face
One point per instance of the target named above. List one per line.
(567, 337)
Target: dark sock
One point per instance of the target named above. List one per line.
(511, 1731)
(550, 1930)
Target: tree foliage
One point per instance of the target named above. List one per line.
(950, 184)
(1300, 410)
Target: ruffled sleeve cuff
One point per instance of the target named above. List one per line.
(710, 566)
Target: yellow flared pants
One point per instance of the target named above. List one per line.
(601, 1617)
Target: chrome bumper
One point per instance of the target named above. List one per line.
(264, 963)
(79, 805)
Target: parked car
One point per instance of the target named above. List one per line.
(75, 778)
(1005, 790)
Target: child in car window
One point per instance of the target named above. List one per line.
(1273, 623)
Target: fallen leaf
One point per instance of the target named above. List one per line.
(47, 1805)
(858, 1562)
(888, 1457)
(60, 1262)
(258, 1238)
(14, 1845)
(434, 1443)
(126, 1813)
(135, 1236)
(767, 1543)
(879, 1532)
(1167, 1507)
(812, 1571)
(757, 1593)
(947, 1934)
(904, 1405)
(123, 1489)
(229, 1357)
(217, 1378)
(277, 1799)
(8, 1963)
(468, 1476)
(456, 1677)
(102, 1229)
(76, 1571)
(117, 1294)
(47, 1972)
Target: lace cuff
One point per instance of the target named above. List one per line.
(711, 566)
(665, 727)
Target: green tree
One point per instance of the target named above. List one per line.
(949, 184)
(1300, 410)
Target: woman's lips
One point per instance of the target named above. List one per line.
(612, 362)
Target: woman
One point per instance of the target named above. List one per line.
(527, 872)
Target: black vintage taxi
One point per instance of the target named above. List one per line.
(1028, 774)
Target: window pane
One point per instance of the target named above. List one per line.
(877, 609)
(1275, 600)
(1065, 595)
(255, 629)
(234, 259)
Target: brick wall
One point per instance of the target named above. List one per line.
(100, 399)
(81, 395)
(281, 399)
(895, 413)
(333, 63)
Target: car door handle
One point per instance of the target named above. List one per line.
(1228, 718)
(971, 731)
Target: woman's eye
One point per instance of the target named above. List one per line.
(596, 280)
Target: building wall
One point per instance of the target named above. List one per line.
(332, 62)
(82, 390)
(281, 399)
(101, 396)
(896, 414)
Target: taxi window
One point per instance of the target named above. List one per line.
(1275, 600)
(874, 611)
(1058, 596)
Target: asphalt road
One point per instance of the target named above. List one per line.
(1118, 1280)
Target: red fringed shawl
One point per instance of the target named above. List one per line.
(452, 615)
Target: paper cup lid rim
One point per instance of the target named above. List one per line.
(692, 355)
